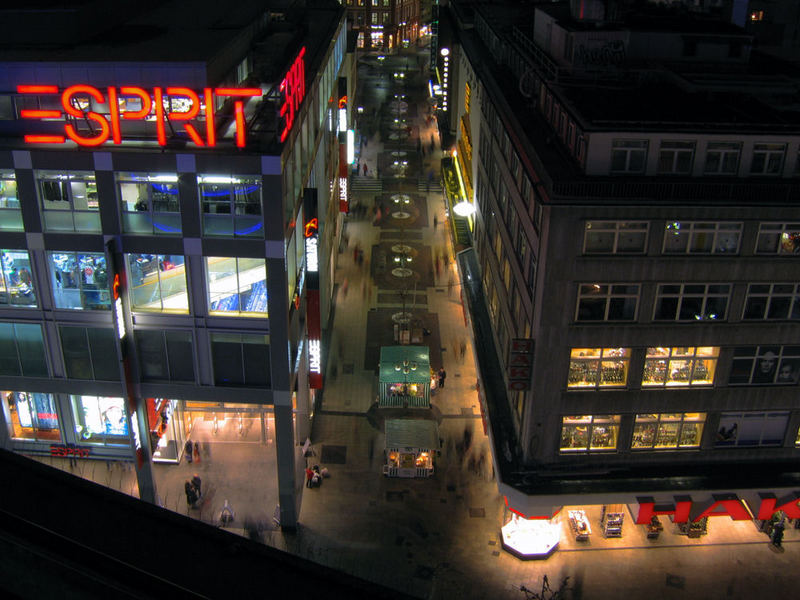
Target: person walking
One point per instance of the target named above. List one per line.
(188, 449)
(197, 451)
(463, 350)
(191, 495)
(442, 374)
(435, 222)
(197, 484)
(309, 476)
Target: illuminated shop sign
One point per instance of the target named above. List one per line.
(343, 114)
(343, 193)
(75, 103)
(293, 90)
(314, 357)
(683, 509)
(312, 246)
(115, 289)
(64, 451)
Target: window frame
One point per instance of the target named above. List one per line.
(629, 147)
(100, 290)
(619, 227)
(606, 292)
(597, 361)
(726, 439)
(787, 241)
(20, 285)
(777, 357)
(161, 221)
(656, 419)
(10, 206)
(682, 295)
(213, 311)
(591, 422)
(677, 149)
(232, 217)
(162, 262)
(88, 219)
(699, 228)
(767, 151)
(770, 295)
(724, 149)
(679, 354)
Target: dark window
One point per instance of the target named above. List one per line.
(166, 355)
(240, 359)
(22, 350)
(90, 353)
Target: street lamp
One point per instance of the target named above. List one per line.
(464, 208)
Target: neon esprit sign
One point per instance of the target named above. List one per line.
(108, 127)
(115, 288)
(314, 357)
(312, 246)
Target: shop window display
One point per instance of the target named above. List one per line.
(607, 302)
(231, 205)
(689, 237)
(750, 429)
(778, 238)
(10, 213)
(79, 280)
(592, 368)
(772, 301)
(16, 280)
(157, 283)
(589, 433)
(237, 286)
(615, 237)
(680, 366)
(668, 430)
(149, 203)
(691, 302)
(31, 416)
(765, 365)
(100, 420)
(69, 201)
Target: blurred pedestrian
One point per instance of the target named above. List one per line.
(197, 451)
(309, 476)
(191, 495)
(463, 349)
(365, 169)
(197, 484)
(188, 449)
(442, 374)
(435, 222)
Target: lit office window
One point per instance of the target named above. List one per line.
(100, 420)
(10, 214)
(16, 281)
(157, 283)
(69, 201)
(765, 365)
(588, 433)
(748, 429)
(231, 205)
(31, 416)
(668, 430)
(591, 368)
(240, 359)
(236, 286)
(680, 366)
(79, 280)
(149, 203)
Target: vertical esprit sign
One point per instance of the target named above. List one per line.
(311, 236)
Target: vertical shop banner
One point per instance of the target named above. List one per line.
(344, 172)
(311, 233)
(520, 363)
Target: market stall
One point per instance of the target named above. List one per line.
(405, 377)
(410, 445)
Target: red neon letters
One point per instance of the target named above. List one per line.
(73, 102)
(293, 89)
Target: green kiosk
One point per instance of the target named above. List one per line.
(405, 377)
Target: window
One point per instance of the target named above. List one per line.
(240, 359)
(778, 238)
(772, 301)
(680, 366)
(691, 302)
(589, 433)
(668, 430)
(607, 302)
(157, 283)
(22, 350)
(16, 281)
(149, 203)
(31, 416)
(767, 159)
(10, 213)
(385, 17)
(89, 353)
(682, 237)
(628, 156)
(236, 286)
(231, 205)
(100, 420)
(374, 18)
(765, 365)
(757, 15)
(751, 429)
(69, 201)
(592, 368)
(165, 355)
(79, 280)
(722, 158)
(615, 237)
(675, 157)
